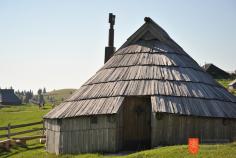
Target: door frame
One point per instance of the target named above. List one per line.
(138, 101)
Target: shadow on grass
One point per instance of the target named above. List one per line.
(17, 149)
(45, 108)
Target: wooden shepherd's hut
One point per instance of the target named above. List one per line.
(149, 93)
(8, 97)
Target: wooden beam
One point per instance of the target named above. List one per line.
(21, 125)
(21, 132)
(27, 124)
(27, 131)
(4, 128)
(29, 137)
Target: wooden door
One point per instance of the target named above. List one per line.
(137, 123)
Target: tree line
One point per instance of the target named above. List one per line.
(28, 96)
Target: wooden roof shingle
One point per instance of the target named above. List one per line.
(151, 64)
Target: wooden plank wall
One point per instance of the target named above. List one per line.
(120, 126)
(79, 135)
(175, 129)
(52, 135)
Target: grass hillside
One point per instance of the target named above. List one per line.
(57, 96)
(225, 83)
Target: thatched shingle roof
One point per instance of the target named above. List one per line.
(7, 97)
(151, 64)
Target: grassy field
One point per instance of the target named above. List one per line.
(21, 114)
(225, 83)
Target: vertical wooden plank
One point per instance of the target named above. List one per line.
(53, 142)
(80, 141)
(9, 131)
(57, 142)
(49, 141)
(106, 143)
(101, 136)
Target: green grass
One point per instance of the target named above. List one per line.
(18, 114)
(21, 114)
(225, 83)
(180, 151)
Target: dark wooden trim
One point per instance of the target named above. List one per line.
(29, 137)
(21, 125)
(4, 128)
(27, 124)
(4, 135)
(27, 131)
(21, 132)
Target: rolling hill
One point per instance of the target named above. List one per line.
(57, 96)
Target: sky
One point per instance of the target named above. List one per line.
(60, 43)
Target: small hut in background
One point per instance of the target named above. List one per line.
(232, 85)
(215, 71)
(8, 97)
(150, 92)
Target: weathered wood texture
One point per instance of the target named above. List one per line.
(172, 129)
(112, 132)
(86, 107)
(80, 135)
(150, 64)
(146, 69)
(193, 106)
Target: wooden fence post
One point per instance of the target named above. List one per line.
(8, 134)
(43, 128)
(8, 130)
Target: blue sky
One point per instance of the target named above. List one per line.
(60, 43)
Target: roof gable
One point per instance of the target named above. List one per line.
(150, 31)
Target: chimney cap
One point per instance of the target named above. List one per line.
(112, 18)
(147, 19)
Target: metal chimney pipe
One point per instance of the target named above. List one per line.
(110, 49)
(111, 30)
